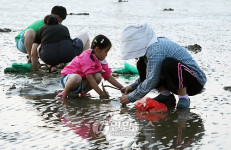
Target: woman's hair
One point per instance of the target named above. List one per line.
(51, 20)
(101, 42)
(60, 11)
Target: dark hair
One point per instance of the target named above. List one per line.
(100, 41)
(51, 20)
(60, 11)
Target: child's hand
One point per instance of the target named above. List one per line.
(104, 90)
(122, 90)
(104, 96)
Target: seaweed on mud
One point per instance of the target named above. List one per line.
(227, 88)
(168, 9)
(78, 14)
(194, 48)
(122, 1)
(5, 30)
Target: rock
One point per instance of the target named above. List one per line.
(168, 9)
(115, 74)
(122, 1)
(194, 48)
(78, 14)
(12, 87)
(5, 30)
(227, 88)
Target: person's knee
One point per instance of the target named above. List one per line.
(75, 78)
(29, 34)
(84, 37)
(98, 77)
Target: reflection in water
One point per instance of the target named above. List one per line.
(83, 122)
(95, 122)
(178, 130)
(149, 116)
(84, 117)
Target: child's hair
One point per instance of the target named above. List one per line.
(101, 42)
(60, 11)
(51, 20)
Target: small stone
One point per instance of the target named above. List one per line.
(115, 74)
(227, 88)
(12, 87)
(194, 48)
(168, 9)
(78, 14)
(5, 30)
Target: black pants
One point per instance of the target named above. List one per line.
(174, 75)
(141, 67)
(60, 52)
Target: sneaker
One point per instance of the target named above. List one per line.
(169, 101)
(61, 95)
(28, 60)
(84, 94)
(183, 103)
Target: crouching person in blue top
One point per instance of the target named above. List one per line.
(163, 65)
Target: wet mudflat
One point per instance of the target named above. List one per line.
(31, 118)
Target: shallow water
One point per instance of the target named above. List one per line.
(31, 118)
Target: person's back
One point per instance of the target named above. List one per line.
(52, 33)
(35, 26)
(56, 46)
(55, 42)
(84, 64)
(174, 50)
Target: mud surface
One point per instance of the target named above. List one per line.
(32, 119)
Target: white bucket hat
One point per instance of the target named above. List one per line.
(135, 40)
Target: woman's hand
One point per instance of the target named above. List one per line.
(124, 99)
(126, 90)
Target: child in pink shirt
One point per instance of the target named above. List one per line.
(84, 72)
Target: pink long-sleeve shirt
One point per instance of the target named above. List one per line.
(84, 65)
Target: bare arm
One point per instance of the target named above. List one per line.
(114, 82)
(34, 57)
(94, 84)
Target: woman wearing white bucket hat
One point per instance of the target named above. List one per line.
(163, 65)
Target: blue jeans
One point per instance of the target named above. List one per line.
(78, 90)
(20, 44)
